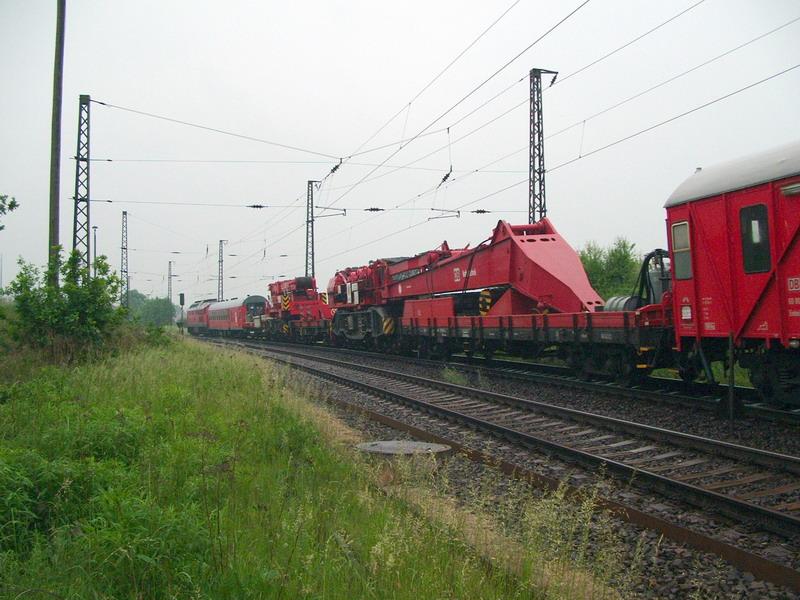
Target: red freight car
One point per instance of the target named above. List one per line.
(733, 231)
(236, 317)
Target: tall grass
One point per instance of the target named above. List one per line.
(185, 472)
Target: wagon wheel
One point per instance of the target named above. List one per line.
(626, 372)
(776, 384)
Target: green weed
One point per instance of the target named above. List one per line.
(185, 472)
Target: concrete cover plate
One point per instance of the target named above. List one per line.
(402, 447)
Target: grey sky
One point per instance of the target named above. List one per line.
(326, 75)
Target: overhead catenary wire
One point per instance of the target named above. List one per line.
(676, 117)
(466, 96)
(215, 130)
(560, 80)
(675, 77)
(171, 203)
(258, 162)
(407, 106)
(526, 101)
(629, 43)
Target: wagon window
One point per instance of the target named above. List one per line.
(755, 238)
(681, 251)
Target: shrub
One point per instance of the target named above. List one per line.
(67, 320)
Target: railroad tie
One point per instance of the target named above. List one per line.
(712, 473)
(604, 447)
(728, 483)
(638, 450)
(647, 459)
(687, 463)
(788, 507)
(770, 491)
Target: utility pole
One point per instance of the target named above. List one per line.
(537, 202)
(80, 220)
(123, 263)
(55, 142)
(94, 249)
(310, 228)
(220, 280)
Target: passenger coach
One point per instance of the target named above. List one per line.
(237, 316)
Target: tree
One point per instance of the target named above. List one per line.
(67, 320)
(136, 300)
(6, 206)
(156, 312)
(612, 271)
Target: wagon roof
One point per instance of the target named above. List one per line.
(737, 174)
(238, 302)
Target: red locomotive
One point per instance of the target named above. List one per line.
(197, 316)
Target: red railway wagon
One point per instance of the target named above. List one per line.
(524, 290)
(236, 316)
(197, 316)
(733, 231)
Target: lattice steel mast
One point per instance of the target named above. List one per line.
(169, 281)
(80, 219)
(220, 287)
(537, 203)
(310, 228)
(123, 263)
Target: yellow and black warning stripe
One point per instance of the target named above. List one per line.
(324, 297)
(286, 301)
(485, 302)
(285, 328)
(388, 325)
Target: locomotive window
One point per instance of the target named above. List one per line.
(755, 239)
(681, 251)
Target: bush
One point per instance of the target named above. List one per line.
(67, 320)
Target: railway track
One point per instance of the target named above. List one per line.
(742, 483)
(652, 389)
(662, 389)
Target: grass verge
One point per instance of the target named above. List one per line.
(184, 472)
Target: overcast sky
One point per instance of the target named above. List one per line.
(324, 76)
